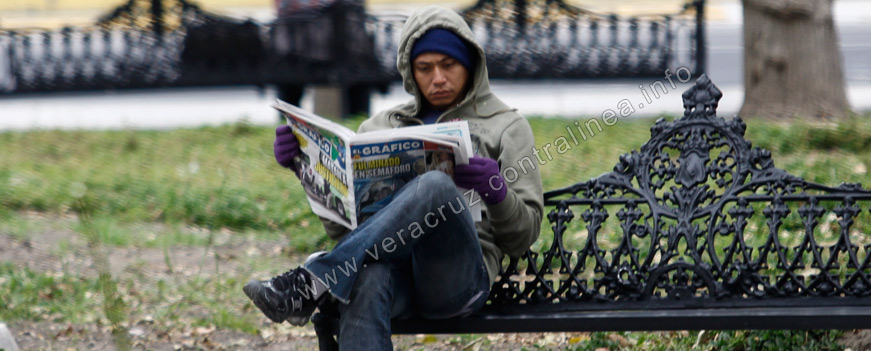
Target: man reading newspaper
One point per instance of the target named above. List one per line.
(422, 253)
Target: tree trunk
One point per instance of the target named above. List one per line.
(792, 60)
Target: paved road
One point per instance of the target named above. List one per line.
(725, 51)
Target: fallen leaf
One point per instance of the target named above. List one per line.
(618, 339)
(548, 340)
(208, 343)
(204, 330)
(704, 337)
(147, 319)
(474, 345)
(578, 339)
(64, 333)
(427, 339)
(136, 331)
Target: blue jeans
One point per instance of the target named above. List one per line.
(420, 256)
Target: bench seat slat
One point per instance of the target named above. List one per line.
(648, 320)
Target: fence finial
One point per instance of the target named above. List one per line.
(701, 100)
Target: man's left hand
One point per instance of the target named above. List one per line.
(482, 175)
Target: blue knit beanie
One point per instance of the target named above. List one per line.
(443, 41)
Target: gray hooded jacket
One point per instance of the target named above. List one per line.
(498, 132)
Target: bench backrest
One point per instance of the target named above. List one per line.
(703, 219)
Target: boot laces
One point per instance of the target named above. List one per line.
(291, 280)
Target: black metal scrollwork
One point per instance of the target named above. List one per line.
(552, 39)
(141, 43)
(157, 43)
(701, 216)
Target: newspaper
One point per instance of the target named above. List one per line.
(348, 177)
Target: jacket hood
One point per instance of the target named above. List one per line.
(478, 98)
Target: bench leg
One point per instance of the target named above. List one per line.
(325, 328)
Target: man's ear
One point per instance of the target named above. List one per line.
(469, 82)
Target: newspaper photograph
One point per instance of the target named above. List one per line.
(382, 168)
(455, 132)
(323, 172)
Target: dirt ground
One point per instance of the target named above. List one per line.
(52, 336)
(856, 340)
(57, 250)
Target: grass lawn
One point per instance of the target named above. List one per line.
(151, 234)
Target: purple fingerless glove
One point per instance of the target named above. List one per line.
(482, 175)
(286, 147)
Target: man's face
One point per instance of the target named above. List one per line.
(440, 79)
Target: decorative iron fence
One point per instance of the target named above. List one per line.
(161, 43)
(566, 42)
(128, 48)
(550, 39)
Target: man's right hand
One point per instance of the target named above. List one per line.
(286, 147)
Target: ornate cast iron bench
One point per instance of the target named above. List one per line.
(697, 230)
